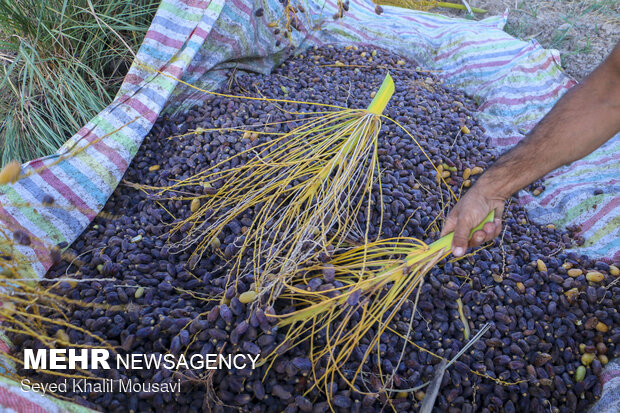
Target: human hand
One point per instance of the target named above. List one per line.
(470, 211)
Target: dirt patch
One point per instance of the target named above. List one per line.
(583, 31)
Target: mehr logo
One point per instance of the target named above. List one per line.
(97, 358)
(58, 359)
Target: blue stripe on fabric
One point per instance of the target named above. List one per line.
(585, 178)
(193, 44)
(184, 16)
(153, 95)
(606, 249)
(58, 212)
(136, 128)
(84, 182)
(610, 246)
(154, 53)
(173, 24)
(500, 109)
(480, 74)
(521, 89)
(466, 55)
(494, 50)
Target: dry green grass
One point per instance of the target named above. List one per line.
(584, 31)
(62, 62)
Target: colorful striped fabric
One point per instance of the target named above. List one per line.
(516, 82)
(610, 397)
(199, 41)
(14, 400)
(81, 184)
(586, 193)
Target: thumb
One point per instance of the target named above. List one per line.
(461, 236)
(450, 223)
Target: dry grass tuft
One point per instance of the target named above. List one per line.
(61, 63)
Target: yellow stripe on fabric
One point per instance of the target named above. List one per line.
(99, 168)
(42, 224)
(602, 232)
(179, 12)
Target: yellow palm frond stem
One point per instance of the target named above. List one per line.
(32, 312)
(331, 313)
(302, 191)
(425, 5)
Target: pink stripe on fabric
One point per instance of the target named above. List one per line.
(532, 69)
(4, 347)
(493, 63)
(609, 375)
(163, 39)
(605, 210)
(526, 199)
(548, 198)
(101, 147)
(198, 69)
(18, 403)
(354, 30)
(110, 153)
(170, 70)
(84, 130)
(462, 45)
(142, 109)
(173, 70)
(67, 193)
(199, 32)
(521, 100)
(223, 39)
(38, 247)
(507, 141)
(596, 162)
(438, 35)
(199, 4)
(421, 22)
(241, 6)
(132, 80)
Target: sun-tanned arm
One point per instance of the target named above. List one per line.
(582, 120)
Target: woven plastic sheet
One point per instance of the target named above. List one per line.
(199, 41)
(516, 83)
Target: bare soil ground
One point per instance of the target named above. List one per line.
(584, 31)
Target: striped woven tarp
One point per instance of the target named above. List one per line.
(198, 41)
(516, 82)
(81, 184)
(610, 397)
(586, 193)
(14, 400)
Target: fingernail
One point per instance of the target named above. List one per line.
(458, 251)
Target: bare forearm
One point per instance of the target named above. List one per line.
(585, 118)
